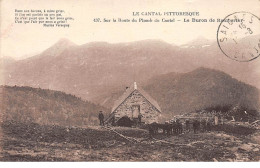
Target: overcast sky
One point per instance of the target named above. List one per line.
(18, 40)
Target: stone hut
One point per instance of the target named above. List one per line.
(137, 105)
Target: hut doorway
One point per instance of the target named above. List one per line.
(124, 122)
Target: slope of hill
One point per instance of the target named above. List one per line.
(5, 63)
(199, 89)
(26, 104)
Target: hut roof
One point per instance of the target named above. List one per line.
(129, 91)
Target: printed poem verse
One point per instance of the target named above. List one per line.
(46, 18)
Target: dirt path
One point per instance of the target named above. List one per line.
(38, 143)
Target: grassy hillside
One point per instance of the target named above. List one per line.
(26, 104)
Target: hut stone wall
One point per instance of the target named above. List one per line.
(149, 113)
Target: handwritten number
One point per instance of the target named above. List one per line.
(250, 31)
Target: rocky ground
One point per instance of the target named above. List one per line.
(32, 142)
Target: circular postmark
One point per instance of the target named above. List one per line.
(238, 36)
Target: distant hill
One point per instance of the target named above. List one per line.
(180, 93)
(199, 89)
(26, 104)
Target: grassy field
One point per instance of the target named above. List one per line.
(33, 142)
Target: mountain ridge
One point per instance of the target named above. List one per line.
(93, 69)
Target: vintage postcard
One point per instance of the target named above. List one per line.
(136, 81)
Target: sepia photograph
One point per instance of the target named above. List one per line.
(129, 81)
